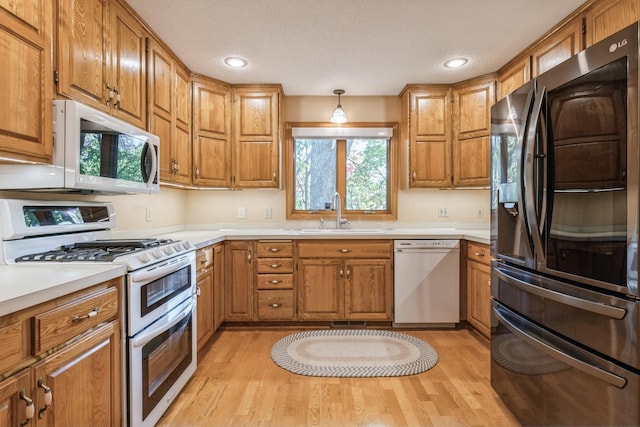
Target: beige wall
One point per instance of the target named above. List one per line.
(174, 207)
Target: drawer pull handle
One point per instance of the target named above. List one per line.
(274, 305)
(275, 282)
(479, 253)
(92, 313)
(48, 397)
(275, 265)
(30, 410)
(274, 249)
(344, 251)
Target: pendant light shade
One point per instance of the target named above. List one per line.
(339, 116)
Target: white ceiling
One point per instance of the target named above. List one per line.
(366, 47)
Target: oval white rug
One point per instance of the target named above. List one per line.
(353, 353)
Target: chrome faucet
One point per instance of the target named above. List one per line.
(337, 206)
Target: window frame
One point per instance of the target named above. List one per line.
(390, 214)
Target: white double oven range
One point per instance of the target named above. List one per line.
(159, 300)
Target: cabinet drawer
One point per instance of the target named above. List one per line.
(275, 305)
(275, 281)
(60, 324)
(204, 258)
(345, 249)
(478, 252)
(274, 249)
(275, 265)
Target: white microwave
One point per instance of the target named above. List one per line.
(93, 153)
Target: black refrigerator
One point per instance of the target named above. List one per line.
(564, 231)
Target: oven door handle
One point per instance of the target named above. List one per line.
(156, 272)
(163, 324)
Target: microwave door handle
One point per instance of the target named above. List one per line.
(148, 179)
(530, 187)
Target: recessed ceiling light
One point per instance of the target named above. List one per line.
(456, 62)
(235, 62)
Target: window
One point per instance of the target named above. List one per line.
(357, 163)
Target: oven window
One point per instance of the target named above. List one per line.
(587, 126)
(164, 359)
(159, 291)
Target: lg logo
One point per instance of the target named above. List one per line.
(615, 46)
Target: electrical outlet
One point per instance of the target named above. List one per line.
(148, 214)
(479, 213)
(442, 212)
(242, 213)
(267, 213)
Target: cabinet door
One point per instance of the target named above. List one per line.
(212, 134)
(479, 296)
(320, 289)
(256, 137)
(26, 84)
(82, 59)
(514, 76)
(239, 281)
(608, 16)
(218, 286)
(85, 382)
(558, 47)
(430, 138)
(204, 285)
(368, 291)
(472, 127)
(15, 392)
(181, 141)
(127, 40)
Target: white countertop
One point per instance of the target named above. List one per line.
(202, 238)
(25, 285)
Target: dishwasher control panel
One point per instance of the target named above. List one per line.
(399, 245)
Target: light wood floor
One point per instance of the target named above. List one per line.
(237, 384)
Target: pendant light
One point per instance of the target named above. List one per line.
(339, 116)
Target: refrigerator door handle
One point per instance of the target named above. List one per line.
(533, 220)
(539, 344)
(591, 306)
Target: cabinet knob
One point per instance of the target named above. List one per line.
(274, 305)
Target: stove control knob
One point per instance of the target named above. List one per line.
(187, 244)
(168, 250)
(144, 258)
(157, 254)
(179, 247)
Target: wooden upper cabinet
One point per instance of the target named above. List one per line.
(256, 136)
(101, 57)
(608, 16)
(211, 133)
(472, 128)
(428, 136)
(559, 46)
(513, 75)
(169, 90)
(27, 90)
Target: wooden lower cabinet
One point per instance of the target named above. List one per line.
(479, 288)
(239, 277)
(204, 286)
(218, 286)
(84, 382)
(72, 381)
(345, 280)
(275, 291)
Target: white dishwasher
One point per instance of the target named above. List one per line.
(426, 283)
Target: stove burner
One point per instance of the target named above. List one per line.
(97, 250)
